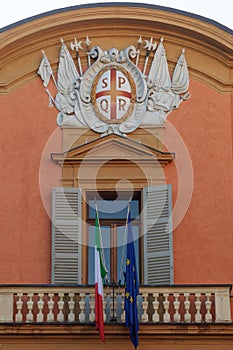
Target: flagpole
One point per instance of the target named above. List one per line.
(131, 288)
(100, 273)
(101, 240)
(51, 99)
(124, 240)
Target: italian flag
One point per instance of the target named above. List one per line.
(100, 272)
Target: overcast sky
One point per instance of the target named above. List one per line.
(218, 10)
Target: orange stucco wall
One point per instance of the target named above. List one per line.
(202, 241)
(26, 125)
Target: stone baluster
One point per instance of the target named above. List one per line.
(208, 303)
(40, 304)
(82, 305)
(123, 308)
(104, 308)
(50, 316)
(92, 307)
(144, 307)
(113, 306)
(29, 316)
(198, 317)
(71, 303)
(60, 316)
(166, 316)
(176, 304)
(19, 305)
(187, 316)
(155, 316)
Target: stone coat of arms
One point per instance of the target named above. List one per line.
(114, 94)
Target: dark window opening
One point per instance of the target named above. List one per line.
(112, 210)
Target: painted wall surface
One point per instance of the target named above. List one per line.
(202, 239)
(26, 125)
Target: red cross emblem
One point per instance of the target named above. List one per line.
(113, 95)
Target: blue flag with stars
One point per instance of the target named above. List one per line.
(131, 288)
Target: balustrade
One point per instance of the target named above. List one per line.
(178, 304)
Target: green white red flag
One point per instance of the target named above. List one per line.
(100, 273)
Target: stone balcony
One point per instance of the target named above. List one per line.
(53, 304)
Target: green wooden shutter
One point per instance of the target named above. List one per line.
(157, 220)
(66, 236)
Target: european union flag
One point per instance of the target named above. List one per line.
(131, 288)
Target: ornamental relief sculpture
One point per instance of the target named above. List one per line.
(113, 94)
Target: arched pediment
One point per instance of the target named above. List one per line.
(208, 44)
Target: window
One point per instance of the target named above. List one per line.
(152, 230)
(112, 212)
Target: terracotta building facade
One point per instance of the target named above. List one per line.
(102, 105)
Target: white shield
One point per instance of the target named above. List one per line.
(113, 95)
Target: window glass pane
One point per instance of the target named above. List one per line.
(113, 215)
(113, 209)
